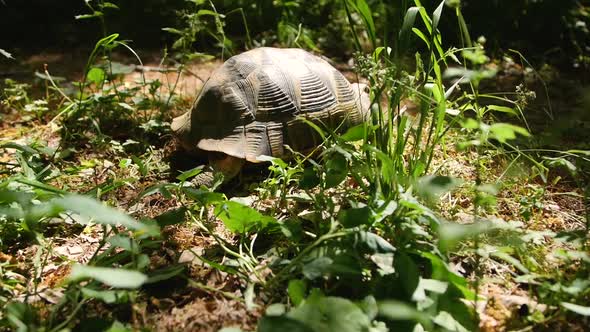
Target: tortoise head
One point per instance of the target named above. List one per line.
(181, 128)
(361, 91)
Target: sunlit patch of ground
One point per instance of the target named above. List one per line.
(185, 81)
(556, 208)
(202, 314)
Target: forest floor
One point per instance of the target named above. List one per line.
(206, 299)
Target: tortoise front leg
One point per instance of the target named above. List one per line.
(205, 178)
(222, 163)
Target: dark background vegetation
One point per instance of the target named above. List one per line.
(547, 30)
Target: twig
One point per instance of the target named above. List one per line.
(199, 285)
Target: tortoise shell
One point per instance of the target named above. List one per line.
(253, 104)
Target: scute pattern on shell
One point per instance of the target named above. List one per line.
(251, 105)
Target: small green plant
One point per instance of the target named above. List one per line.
(531, 204)
(282, 177)
(14, 94)
(106, 108)
(203, 19)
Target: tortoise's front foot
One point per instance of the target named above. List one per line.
(221, 169)
(208, 178)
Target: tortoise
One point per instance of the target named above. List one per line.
(253, 104)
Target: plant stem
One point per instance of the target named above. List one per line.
(72, 315)
(286, 270)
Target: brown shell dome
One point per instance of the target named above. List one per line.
(252, 104)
